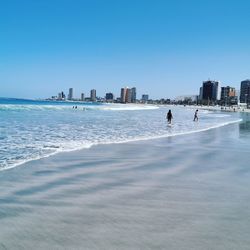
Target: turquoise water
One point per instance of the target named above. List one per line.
(35, 129)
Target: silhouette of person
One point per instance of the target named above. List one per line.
(196, 115)
(169, 116)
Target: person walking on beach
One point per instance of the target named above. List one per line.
(169, 117)
(196, 115)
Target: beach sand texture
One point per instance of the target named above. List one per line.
(183, 192)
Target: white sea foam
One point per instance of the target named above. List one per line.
(36, 133)
(80, 106)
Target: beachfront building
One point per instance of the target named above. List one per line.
(126, 95)
(93, 95)
(82, 97)
(144, 98)
(201, 94)
(129, 95)
(70, 95)
(245, 91)
(109, 97)
(211, 92)
(133, 95)
(228, 96)
(61, 96)
(123, 95)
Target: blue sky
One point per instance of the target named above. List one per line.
(164, 48)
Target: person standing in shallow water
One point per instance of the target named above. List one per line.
(196, 115)
(169, 117)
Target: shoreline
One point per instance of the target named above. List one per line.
(137, 195)
(220, 108)
(122, 142)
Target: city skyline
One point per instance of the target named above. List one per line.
(163, 47)
(211, 92)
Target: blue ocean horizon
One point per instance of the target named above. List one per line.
(37, 101)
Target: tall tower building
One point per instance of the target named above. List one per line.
(216, 91)
(82, 97)
(211, 91)
(93, 95)
(128, 95)
(201, 93)
(133, 95)
(245, 91)
(123, 95)
(70, 95)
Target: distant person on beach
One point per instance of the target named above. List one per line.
(169, 117)
(196, 115)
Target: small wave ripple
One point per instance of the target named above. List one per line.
(35, 132)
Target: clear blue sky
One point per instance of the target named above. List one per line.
(164, 48)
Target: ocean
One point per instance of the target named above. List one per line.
(32, 130)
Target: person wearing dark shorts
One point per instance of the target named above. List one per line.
(169, 116)
(196, 115)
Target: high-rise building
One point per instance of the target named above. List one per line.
(211, 91)
(245, 91)
(133, 95)
(70, 95)
(82, 97)
(128, 95)
(144, 98)
(109, 97)
(201, 93)
(93, 95)
(61, 96)
(123, 95)
(228, 95)
(227, 92)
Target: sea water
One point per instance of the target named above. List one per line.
(35, 129)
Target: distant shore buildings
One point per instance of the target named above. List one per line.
(228, 96)
(93, 95)
(210, 93)
(70, 95)
(82, 97)
(245, 91)
(109, 97)
(144, 98)
(128, 95)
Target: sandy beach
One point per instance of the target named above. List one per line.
(222, 108)
(183, 192)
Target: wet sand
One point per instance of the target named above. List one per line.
(183, 192)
